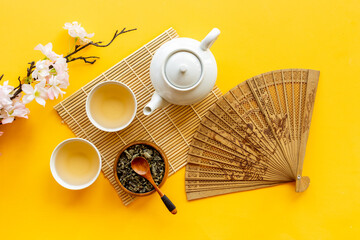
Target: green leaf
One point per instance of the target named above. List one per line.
(28, 80)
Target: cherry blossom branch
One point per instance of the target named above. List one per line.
(26, 80)
(84, 58)
(96, 44)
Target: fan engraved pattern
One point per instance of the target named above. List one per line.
(254, 136)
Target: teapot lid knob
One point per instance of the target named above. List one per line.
(183, 70)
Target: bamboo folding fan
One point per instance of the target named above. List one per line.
(254, 136)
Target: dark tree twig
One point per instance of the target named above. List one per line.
(18, 91)
(1, 77)
(19, 84)
(97, 44)
(31, 68)
(85, 59)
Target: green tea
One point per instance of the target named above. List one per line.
(76, 163)
(112, 106)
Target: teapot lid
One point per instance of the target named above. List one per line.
(183, 69)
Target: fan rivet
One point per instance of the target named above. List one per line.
(298, 177)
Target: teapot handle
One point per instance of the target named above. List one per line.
(208, 41)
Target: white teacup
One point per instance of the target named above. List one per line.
(111, 106)
(75, 163)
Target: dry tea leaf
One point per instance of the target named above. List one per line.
(131, 180)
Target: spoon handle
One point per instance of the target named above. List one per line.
(170, 206)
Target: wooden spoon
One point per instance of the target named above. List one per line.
(141, 166)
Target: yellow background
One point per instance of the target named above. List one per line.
(257, 36)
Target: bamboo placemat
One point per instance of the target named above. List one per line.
(171, 128)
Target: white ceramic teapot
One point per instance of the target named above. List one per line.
(183, 71)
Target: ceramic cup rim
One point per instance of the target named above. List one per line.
(88, 112)
(54, 173)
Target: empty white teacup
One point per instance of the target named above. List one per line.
(111, 106)
(75, 163)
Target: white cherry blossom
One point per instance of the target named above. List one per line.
(42, 69)
(5, 95)
(61, 69)
(75, 30)
(9, 113)
(55, 86)
(39, 93)
(47, 51)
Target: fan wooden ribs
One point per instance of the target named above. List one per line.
(254, 136)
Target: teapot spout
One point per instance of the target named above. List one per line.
(156, 102)
(208, 41)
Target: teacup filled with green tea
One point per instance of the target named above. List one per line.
(75, 163)
(111, 106)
